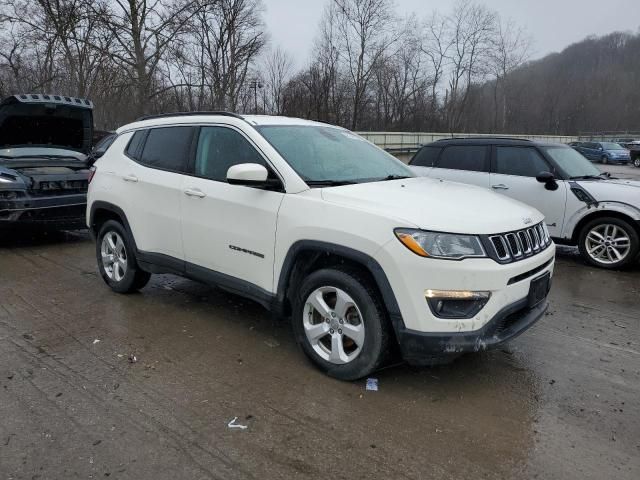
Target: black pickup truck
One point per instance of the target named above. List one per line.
(44, 171)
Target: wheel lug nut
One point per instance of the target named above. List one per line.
(327, 320)
(341, 321)
(331, 331)
(340, 331)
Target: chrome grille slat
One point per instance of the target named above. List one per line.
(519, 244)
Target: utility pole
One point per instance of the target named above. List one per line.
(255, 84)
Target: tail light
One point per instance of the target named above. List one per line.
(92, 172)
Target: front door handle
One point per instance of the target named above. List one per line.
(130, 178)
(500, 186)
(194, 192)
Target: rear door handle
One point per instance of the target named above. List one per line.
(130, 178)
(500, 186)
(194, 192)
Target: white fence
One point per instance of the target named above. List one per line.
(409, 142)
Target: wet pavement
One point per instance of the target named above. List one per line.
(561, 401)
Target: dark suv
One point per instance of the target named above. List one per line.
(44, 173)
(581, 205)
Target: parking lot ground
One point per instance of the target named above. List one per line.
(559, 402)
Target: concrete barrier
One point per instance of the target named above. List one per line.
(406, 143)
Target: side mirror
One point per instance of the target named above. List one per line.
(548, 179)
(251, 175)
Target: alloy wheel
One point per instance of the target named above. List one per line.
(114, 256)
(607, 243)
(333, 325)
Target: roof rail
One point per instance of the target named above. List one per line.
(183, 114)
(485, 137)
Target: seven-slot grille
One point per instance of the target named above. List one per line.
(513, 246)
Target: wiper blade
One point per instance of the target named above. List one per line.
(395, 177)
(329, 183)
(587, 177)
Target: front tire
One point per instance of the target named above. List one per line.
(117, 261)
(636, 162)
(340, 323)
(609, 242)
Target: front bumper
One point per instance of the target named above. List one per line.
(420, 348)
(58, 210)
(421, 334)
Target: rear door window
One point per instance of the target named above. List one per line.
(425, 157)
(520, 161)
(168, 148)
(472, 158)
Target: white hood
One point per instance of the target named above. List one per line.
(615, 190)
(437, 205)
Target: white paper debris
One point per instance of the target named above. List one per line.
(233, 424)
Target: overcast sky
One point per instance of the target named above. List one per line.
(553, 24)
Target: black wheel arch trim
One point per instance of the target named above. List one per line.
(368, 262)
(110, 207)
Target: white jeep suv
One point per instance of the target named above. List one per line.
(582, 206)
(319, 225)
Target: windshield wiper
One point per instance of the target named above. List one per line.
(328, 183)
(587, 177)
(395, 177)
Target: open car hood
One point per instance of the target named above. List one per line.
(45, 122)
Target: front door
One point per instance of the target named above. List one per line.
(513, 173)
(228, 229)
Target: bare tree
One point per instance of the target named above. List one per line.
(510, 49)
(277, 71)
(363, 29)
(142, 33)
(472, 27)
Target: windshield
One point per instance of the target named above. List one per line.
(571, 162)
(329, 154)
(612, 146)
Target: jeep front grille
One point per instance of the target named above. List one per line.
(513, 246)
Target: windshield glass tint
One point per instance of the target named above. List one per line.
(320, 153)
(612, 146)
(571, 162)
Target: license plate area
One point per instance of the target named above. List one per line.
(538, 289)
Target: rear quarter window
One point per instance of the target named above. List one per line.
(134, 148)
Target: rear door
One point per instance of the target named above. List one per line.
(152, 181)
(464, 164)
(513, 174)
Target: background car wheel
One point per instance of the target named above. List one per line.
(636, 162)
(340, 323)
(604, 159)
(117, 261)
(609, 242)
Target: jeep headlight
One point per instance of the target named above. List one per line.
(452, 246)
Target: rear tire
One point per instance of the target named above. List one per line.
(340, 323)
(636, 162)
(609, 242)
(116, 259)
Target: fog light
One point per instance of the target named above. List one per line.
(456, 303)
